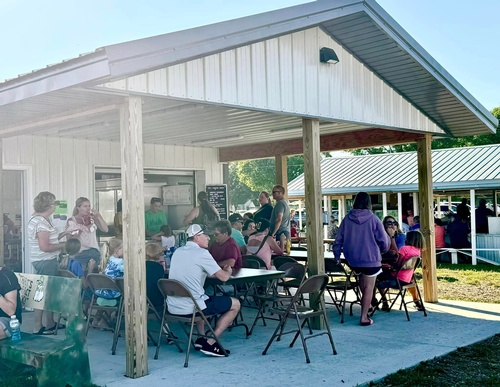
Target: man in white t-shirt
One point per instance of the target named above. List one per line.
(190, 265)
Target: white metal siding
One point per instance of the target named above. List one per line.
(284, 75)
(65, 167)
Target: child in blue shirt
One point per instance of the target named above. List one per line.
(113, 267)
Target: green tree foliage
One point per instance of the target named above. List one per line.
(443, 143)
(248, 178)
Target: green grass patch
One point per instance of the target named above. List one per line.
(474, 365)
(479, 283)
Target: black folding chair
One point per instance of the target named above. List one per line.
(340, 282)
(302, 314)
(400, 289)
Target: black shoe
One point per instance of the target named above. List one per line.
(213, 350)
(419, 306)
(385, 306)
(199, 343)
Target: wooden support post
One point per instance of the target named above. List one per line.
(312, 185)
(2, 241)
(426, 212)
(134, 238)
(281, 163)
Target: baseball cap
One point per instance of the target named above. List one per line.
(194, 229)
(233, 218)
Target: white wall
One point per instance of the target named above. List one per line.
(284, 75)
(65, 167)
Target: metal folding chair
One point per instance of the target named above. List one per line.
(400, 289)
(302, 314)
(173, 288)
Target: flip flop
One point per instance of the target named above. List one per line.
(366, 323)
(40, 331)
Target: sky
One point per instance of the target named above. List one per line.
(461, 36)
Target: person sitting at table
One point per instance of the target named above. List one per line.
(293, 229)
(266, 208)
(247, 216)
(236, 227)
(248, 229)
(416, 225)
(225, 250)
(190, 265)
(10, 301)
(154, 272)
(261, 245)
(397, 236)
(414, 244)
(165, 236)
(154, 218)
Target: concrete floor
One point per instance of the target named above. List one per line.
(364, 353)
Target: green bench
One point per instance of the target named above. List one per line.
(58, 361)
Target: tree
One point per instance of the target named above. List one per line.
(248, 178)
(442, 143)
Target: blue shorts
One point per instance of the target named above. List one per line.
(217, 305)
(286, 233)
(85, 256)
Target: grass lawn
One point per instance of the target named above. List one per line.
(480, 283)
(475, 365)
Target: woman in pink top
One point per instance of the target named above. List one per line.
(413, 247)
(439, 233)
(262, 245)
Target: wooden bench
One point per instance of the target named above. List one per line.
(58, 361)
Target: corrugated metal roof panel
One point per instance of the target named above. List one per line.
(452, 168)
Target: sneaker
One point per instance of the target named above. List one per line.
(199, 343)
(213, 350)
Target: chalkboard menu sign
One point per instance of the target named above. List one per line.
(217, 195)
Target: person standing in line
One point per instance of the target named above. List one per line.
(44, 248)
(280, 217)
(205, 214)
(83, 226)
(154, 218)
(362, 238)
(463, 210)
(266, 208)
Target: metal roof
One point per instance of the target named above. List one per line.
(363, 28)
(452, 169)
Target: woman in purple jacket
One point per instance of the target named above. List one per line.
(362, 239)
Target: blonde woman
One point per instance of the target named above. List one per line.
(83, 226)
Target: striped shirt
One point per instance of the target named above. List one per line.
(39, 224)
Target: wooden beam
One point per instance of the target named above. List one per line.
(134, 238)
(330, 142)
(426, 212)
(312, 185)
(281, 163)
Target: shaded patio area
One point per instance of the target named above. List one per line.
(364, 353)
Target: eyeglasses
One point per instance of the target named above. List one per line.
(389, 223)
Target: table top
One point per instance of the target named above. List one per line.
(300, 255)
(246, 275)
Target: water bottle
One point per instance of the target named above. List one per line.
(15, 327)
